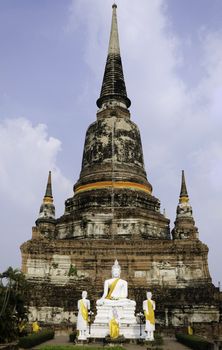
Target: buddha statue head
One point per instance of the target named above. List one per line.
(84, 294)
(116, 270)
(149, 295)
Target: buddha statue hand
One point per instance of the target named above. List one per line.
(100, 301)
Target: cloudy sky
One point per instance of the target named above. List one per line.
(52, 57)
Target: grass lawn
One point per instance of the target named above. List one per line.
(77, 347)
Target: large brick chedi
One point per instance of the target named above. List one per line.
(114, 215)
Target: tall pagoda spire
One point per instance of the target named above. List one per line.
(113, 175)
(184, 223)
(47, 209)
(113, 89)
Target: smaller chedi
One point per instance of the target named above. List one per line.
(115, 312)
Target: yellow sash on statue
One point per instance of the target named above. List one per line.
(111, 288)
(114, 328)
(84, 310)
(190, 330)
(35, 327)
(150, 314)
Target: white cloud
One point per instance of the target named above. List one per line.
(27, 153)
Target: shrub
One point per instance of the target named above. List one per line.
(72, 336)
(153, 344)
(35, 339)
(158, 340)
(121, 339)
(194, 342)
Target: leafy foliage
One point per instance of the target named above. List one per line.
(72, 271)
(12, 308)
(35, 339)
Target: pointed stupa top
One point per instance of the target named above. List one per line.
(183, 192)
(47, 209)
(48, 191)
(114, 36)
(113, 86)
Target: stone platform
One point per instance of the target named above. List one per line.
(129, 331)
(129, 327)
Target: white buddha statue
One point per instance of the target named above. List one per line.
(149, 307)
(115, 289)
(115, 314)
(82, 318)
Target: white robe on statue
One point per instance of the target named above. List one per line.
(149, 327)
(120, 290)
(82, 318)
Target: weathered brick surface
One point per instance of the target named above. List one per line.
(182, 298)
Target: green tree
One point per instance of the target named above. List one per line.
(12, 304)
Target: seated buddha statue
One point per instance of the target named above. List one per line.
(115, 289)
